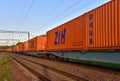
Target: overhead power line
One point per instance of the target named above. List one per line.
(21, 15)
(68, 14)
(26, 14)
(60, 14)
(52, 10)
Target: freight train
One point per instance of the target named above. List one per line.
(93, 36)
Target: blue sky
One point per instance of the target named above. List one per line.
(43, 15)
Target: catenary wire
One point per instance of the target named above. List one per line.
(21, 15)
(50, 12)
(26, 14)
(66, 15)
(60, 14)
(71, 13)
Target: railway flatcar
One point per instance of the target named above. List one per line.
(2, 50)
(93, 36)
(23, 47)
(36, 45)
(9, 50)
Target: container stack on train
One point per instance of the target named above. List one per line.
(23, 47)
(98, 29)
(93, 36)
(36, 44)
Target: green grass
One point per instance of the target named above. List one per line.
(103, 64)
(5, 72)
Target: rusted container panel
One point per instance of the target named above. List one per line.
(37, 43)
(68, 36)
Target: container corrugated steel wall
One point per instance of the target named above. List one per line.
(67, 36)
(119, 20)
(37, 43)
(32, 44)
(24, 46)
(19, 47)
(98, 29)
(41, 41)
(103, 27)
(9, 49)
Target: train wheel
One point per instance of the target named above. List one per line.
(53, 57)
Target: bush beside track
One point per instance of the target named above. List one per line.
(5, 72)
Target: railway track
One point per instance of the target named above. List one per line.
(46, 73)
(74, 71)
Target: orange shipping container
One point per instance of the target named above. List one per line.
(104, 30)
(19, 47)
(37, 43)
(119, 19)
(14, 48)
(98, 29)
(24, 46)
(67, 36)
(9, 50)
